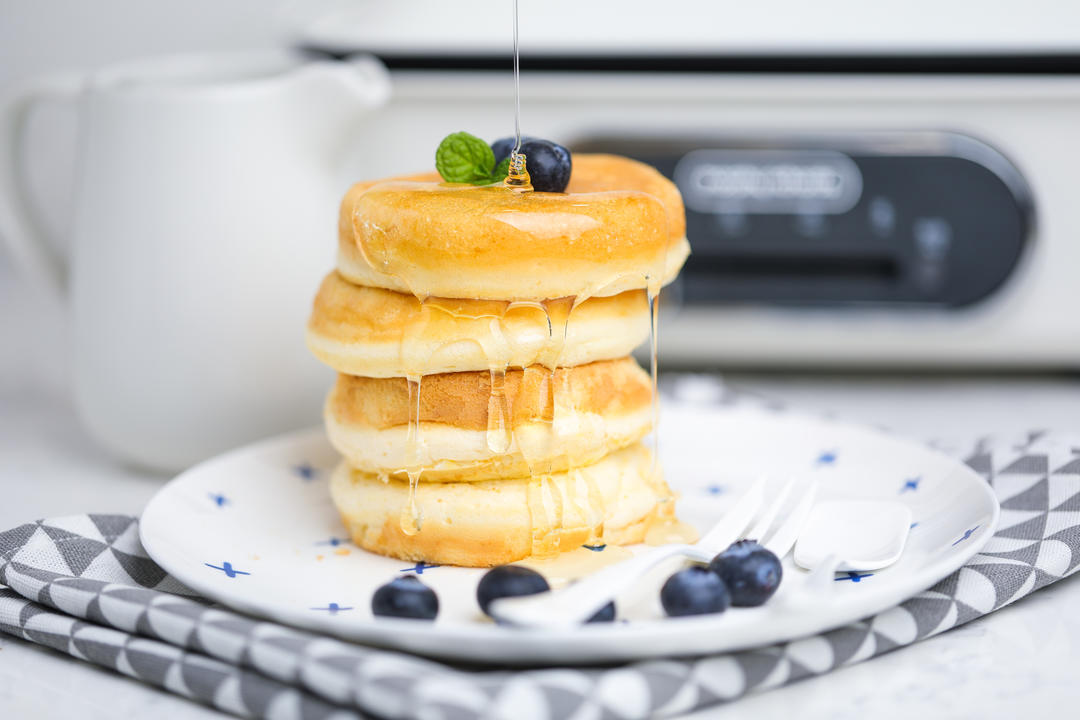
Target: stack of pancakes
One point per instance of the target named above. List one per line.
(486, 404)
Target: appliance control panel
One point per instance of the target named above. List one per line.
(912, 218)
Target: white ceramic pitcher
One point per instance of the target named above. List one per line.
(204, 215)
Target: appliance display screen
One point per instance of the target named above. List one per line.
(889, 218)
(768, 181)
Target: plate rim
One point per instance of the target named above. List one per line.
(576, 646)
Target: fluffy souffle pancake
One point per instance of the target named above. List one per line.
(549, 421)
(614, 501)
(620, 226)
(381, 333)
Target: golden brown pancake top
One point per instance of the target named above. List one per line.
(604, 237)
(592, 173)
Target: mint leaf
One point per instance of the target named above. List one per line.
(501, 171)
(464, 158)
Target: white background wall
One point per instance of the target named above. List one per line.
(42, 35)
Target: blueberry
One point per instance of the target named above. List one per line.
(548, 163)
(604, 614)
(508, 581)
(695, 590)
(405, 597)
(751, 572)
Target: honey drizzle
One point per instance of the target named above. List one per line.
(539, 457)
(595, 511)
(653, 298)
(545, 514)
(546, 500)
(411, 520)
(594, 508)
(517, 176)
(547, 503)
(500, 428)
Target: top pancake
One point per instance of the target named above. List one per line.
(620, 226)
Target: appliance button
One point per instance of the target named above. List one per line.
(933, 236)
(882, 216)
(929, 276)
(732, 224)
(810, 224)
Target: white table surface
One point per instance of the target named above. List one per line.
(1018, 662)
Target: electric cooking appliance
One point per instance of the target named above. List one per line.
(861, 190)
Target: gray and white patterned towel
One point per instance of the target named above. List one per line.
(83, 586)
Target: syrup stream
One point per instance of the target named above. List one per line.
(517, 176)
(517, 87)
(653, 297)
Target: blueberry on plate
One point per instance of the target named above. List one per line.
(508, 581)
(751, 572)
(695, 590)
(604, 614)
(405, 597)
(548, 163)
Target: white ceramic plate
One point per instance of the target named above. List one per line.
(255, 530)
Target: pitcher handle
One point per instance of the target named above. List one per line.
(19, 230)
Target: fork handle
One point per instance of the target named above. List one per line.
(576, 603)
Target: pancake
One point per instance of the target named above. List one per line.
(619, 227)
(548, 422)
(381, 333)
(614, 501)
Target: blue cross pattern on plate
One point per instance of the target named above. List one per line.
(854, 577)
(419, 568)
(228, 569)
(305, 471)
(827, 457)
(911, 484)
(218, 499)
(333, 608)
(334, 542)
(966, 535)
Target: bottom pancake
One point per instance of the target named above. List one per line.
(480, 524)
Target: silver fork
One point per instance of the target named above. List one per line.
(749, 517)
